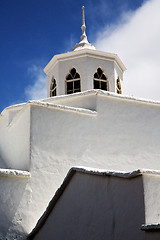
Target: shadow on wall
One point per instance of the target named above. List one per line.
(2, 163)
(96, 207)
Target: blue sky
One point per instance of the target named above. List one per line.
(33, 31)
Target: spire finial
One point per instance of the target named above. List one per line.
(83, 17)
(83, 25)
(84, 42)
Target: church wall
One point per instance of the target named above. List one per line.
(98, 207)
(88, 101)
(118, 73)
(131, 134)
(86, 66)
(152, 196)
(110, 140)
(53, 152)
(119, 128)
(108, 68)
(61, 139)
(64, 68)
(3, 127)
(12, 213)
(55, 73)
(15, 139)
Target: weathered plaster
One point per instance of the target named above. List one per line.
(92, 129)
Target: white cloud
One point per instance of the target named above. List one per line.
(39, 89)
(136, 39)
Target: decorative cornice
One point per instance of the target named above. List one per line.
(84, 52)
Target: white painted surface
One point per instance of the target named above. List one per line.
(110, 140)
(84, 41)
(50, 136)
(86, 62)
(12, 213)
(15, 138)
(152, 196)
(13, 173)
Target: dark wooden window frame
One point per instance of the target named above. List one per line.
(53, 87)
(73, 81)
(118, 86)
(100, 80)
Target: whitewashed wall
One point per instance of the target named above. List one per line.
(15, 138)
(151, 198)
(49, 140)
(13, 214)
(86, 64)
(122, 136)
(98, 207)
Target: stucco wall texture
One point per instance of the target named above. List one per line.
(98, 207)
(91, 129)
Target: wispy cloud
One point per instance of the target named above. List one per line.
(136, 39)
(38, 89)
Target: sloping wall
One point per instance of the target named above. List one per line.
(101, 130)
(97, 207)
(123, 135)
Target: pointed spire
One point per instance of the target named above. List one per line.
(84, 41)
(83, 17)
(83, 25)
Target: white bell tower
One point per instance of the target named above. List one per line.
(84, 68)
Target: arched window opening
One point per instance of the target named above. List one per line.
(73, 82)
(53, 87)
(100, 80)
(119, 90)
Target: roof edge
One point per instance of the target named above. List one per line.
(151, 227)
(103, 93)
(121, 174)
(14, 173)
(80, 53)
(62, 107)
(84, 93)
